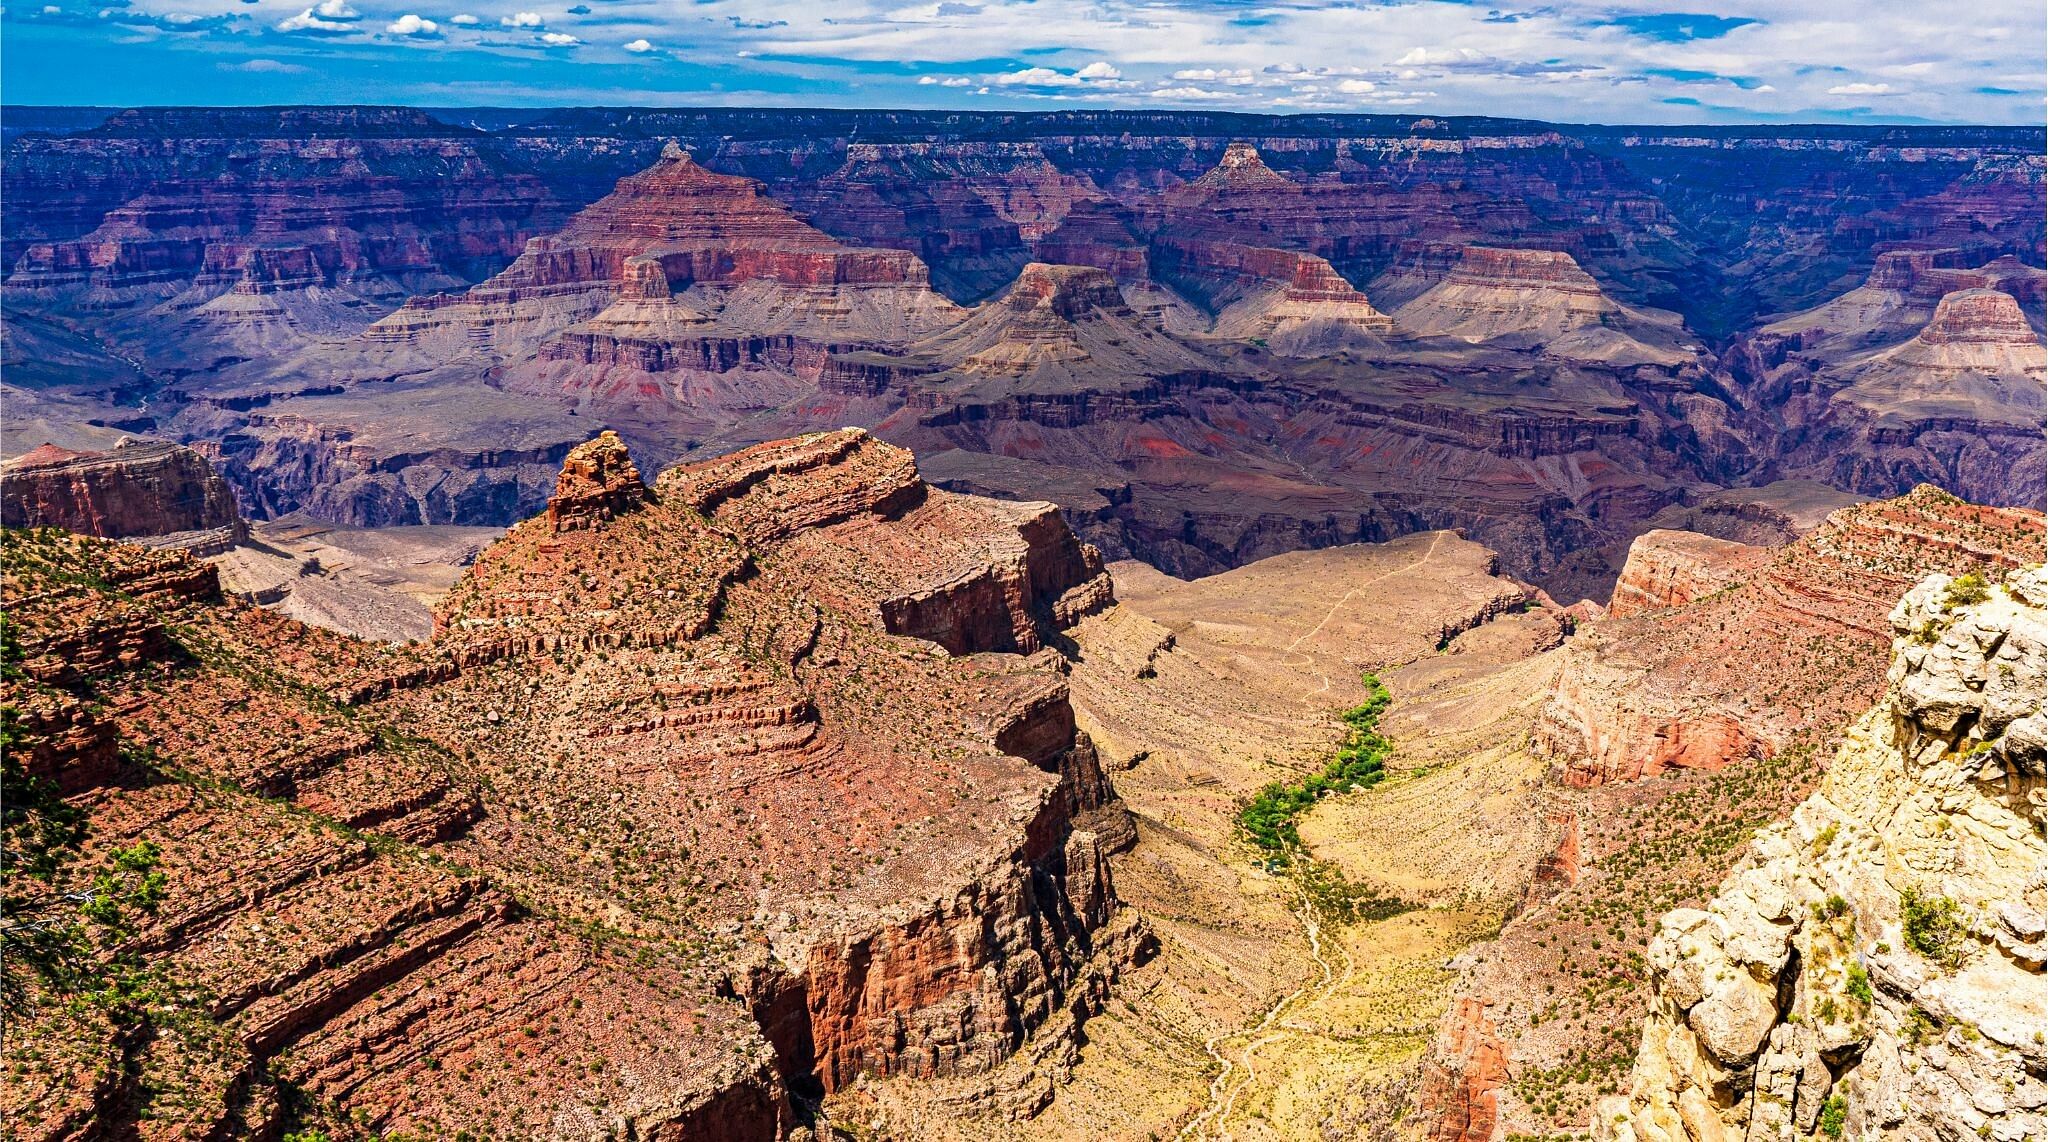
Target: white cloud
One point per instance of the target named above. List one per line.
(464, 19)
(523, 20)
(559, 40)
(264, 66)
(411, 25)
(1356, 86)
(1035, 77)
(1183, 94)
(1861, 89)
(638, 47)
(1437, 57)
(1233, 77)
(329, 18)
(1099, 70)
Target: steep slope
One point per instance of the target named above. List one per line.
(1671, 679)
(1874, 967)
(668, 821)
(1490, 294)
(744, 255)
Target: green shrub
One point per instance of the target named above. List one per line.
(1964, 590)
(1933, 926)
(1858, 986)
(1268, 820)
(1834, 1115)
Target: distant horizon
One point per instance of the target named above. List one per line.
(1748, 62)
(1034, 112)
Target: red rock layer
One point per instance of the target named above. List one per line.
(1462, 1075)
(139, 488)
(1791, 646)
(672, 758)
(1671, 568)
(598, 481)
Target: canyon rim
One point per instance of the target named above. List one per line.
(1023, 571)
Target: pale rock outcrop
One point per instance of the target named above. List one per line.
(1875, 968)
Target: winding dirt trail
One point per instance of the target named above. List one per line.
(1236, 1074)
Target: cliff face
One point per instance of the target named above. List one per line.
(1875, 967)
(1649, 690)
(665, 822)
(138, 489)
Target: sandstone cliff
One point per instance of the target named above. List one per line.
(1671, 680)
(138, 489)
(1874, 968)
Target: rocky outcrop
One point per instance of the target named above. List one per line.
(1465, 1069)
(1874, 968)
(1650, 690)
(828, 849)
(598, 481)
(142, 490)
(1672, 568)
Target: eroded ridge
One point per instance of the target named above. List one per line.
(1874, 968)
(665, 826)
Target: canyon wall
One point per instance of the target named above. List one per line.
(1874, 968)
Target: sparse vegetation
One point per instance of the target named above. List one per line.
(1834, 1115)
(1965, 590)
(1933, 926)
(1268, 821)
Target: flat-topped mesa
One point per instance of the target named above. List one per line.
(139, 490)
(1503, 268)
(598, 482)
(1979, 331)
(1979, 316)
(1491, 292)
(1671, 568)
(1070, 292)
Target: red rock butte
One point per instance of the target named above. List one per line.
(759, 781)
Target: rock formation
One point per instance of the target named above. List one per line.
(1874, 967)
(141, 490)
(1651, 689)
(664, 824)
(762, 277)
(598, 481)
(1672, 568)
(1491, 293)
(677, 226)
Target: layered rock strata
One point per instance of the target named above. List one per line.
(141, 490)
(1874, 969)
(663, 824)
(1676, 687)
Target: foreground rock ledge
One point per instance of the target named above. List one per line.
(665, 824)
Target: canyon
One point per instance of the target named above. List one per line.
(1331, 329)
(737, 624)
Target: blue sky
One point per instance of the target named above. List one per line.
(1826, 60)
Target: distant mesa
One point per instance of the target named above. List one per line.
(149, 491)
(742, 257)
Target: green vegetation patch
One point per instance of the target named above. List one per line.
(1268, 821)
